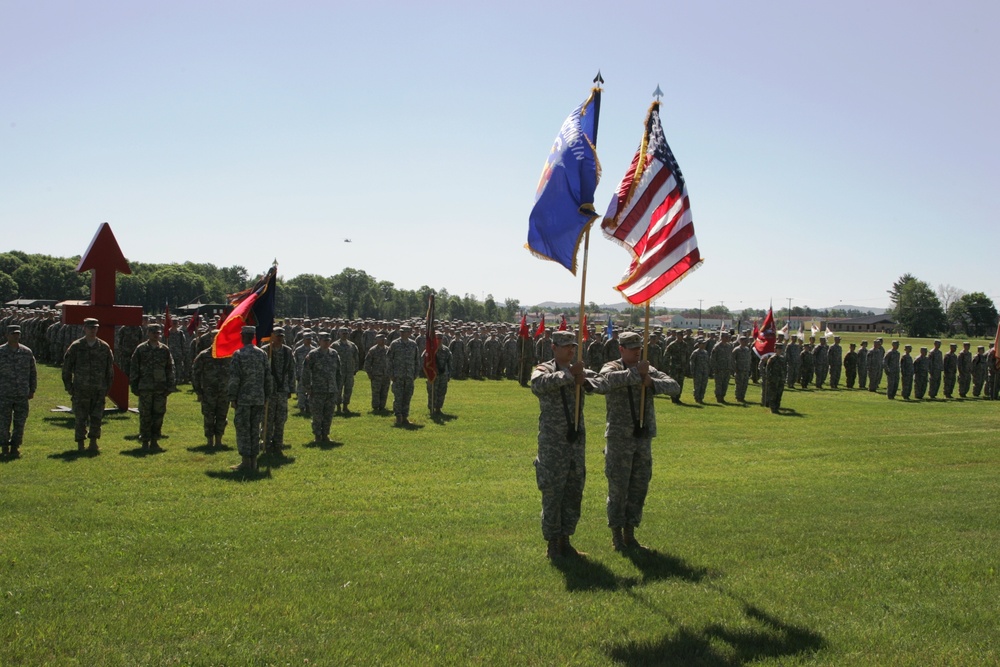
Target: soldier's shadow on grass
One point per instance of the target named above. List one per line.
(71, 455)
(790, 412)
(410, 427)
(140, 453)
(325, 446)
(770, 638)
(210, 449)
(62, 420)
(240, 475)
(656, 566)
(582, 575)
(443, 418)
(274, 460)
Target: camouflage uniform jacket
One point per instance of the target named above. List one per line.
(151, 370)
(321, 371)
(18, 375)
(300, 354)
(350, 359)
(403, 359)
(250, 381)
(376, 364)
(721, 358)
(555, 389)
(622, 388)
(282, 368)
(210, 375)
(88, 367)
(742, 358)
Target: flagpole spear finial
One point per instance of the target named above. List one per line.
(598, 79)
(657, 93)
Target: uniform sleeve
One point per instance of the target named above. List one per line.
(544, 381)
(663, 383)
(69, 364)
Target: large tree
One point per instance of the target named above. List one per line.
(917, 308)
(975, 313)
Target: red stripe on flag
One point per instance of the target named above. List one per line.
(671, 275)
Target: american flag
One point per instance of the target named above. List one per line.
(651, 216)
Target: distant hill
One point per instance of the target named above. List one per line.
(556, 305)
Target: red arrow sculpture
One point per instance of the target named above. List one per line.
(104, 259)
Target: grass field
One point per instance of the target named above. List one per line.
(851, 530)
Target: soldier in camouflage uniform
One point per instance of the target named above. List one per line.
(250, 386)
(438, 389)
(560, 465)
(835, 359)
(863, 365)
(700, 370)
(491, 356)
(979, 371)
(773, 376)
(151, 378)
(350, 364)
(806, 365)
(628, 456)
(525, 359)
(459, 357)
(964, 370)
(127, 338)
(378, 372)
(18, 382)
(179, 348)
(921, 366)
(742, 359)
(936, 366)
(821, 362)
(950, 368)
(283, 381)
(676, 361)
(875, 357)
(321, 378)
(721, 364)
(543, 347)
(595, 354)
(851, 367)
(474, 353)
(906, 372)
(210, 381)
(87, 373)
(890, 364)
(793, 362)
(300, 353)
(403, 359)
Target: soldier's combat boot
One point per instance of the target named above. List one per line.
(568, 549)
(553, 550)
(15, 451)
(154, 446)
(93, 445)
(79, 445)
(630, 541)
(218, 441)
(145, 446)
(3, 450)
(617, 539)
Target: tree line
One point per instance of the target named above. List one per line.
(922, 311)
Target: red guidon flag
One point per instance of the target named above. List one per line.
(766, 336)
(523, 331)
(541, 327)
(650, 216)
(562, 325)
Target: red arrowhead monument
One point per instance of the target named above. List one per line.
(104, 259)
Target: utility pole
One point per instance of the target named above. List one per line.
(699, 312)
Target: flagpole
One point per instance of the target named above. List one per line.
(579, 330)
(645, 357)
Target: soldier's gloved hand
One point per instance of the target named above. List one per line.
(643, 367)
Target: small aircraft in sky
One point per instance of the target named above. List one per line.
(347, 240)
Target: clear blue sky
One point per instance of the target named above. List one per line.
(828, 147)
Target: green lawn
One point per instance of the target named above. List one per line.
(851, 530)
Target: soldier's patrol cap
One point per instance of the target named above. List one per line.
(343, 330)
(91, 322)
(379, 335)
(923, 349)
(630, 340)
(406, 327)
(248, 330)
(563, 338)
(779, 346)
(307, 333)
(324, 335)
(864, 342)
(966, 343)
(981, 348)
(955, 345)
(13, 328)
(154, 328)
(278, 331)
(907, 347)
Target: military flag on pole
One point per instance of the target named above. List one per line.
(253, 306)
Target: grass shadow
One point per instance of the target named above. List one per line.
(443, 418)
(656, 566)
(61, 419)
(71, 455)
(239, 475)
(274, 460)
(582, 575)
(325, 446)
(790, 412)
(410, 426)
(140, 453)
(210, 449)
(716, 645)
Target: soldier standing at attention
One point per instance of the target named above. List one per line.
(560, 465)
(742, 358)
(964, 370)
(793, 352)
(151, 377)
(403, 359)
(721, 362)
(378, 372)
(628, 456)
(283, 380)
(835, 356)
(350, 364)
(676, 360)
(863, 365)
(87, 373)
(774, 378)
(875, 365)
(210, 381)
(950, 367)
(821, 362)
(920, 367)
(906, 371)
(250, 385)
(890, 364)
(700, 370)
(438, 389)
(300, 353)
(321, 378)
(851, 366)
(806, 365)
(18, 381)
(979, 371)
(936, 367)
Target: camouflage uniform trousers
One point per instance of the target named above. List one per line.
(561, 474)
(380, 391)
(891, 383)
(700, 385)
(852, 375)
(345, 390)
(964, 382)
(628, 465)
(12, 410)
(742, 381)
(402, 392)
(874, 377)
(321, 404)
(277, 415)
(440, 390)
(721, 384)
(88, 410)
(214, 412)
(935, 384)
(247, 420)
(835, 375)
(906, 377)
(950, 378)
(919, 385)
(820, 371)
(301, 397)
(152, 407)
